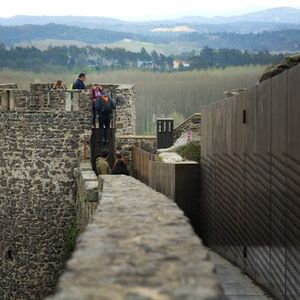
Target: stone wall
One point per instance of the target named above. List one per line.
(88, 194)
(138, 246)
(43, 136)
(193, 123)
(38, 153)
(125, 114)
(41, 97)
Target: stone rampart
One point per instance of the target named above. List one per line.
(42, 97)
(138, 246)
(43, 135)
(88, 194)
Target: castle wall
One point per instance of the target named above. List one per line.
(42, 135)
(38, 153)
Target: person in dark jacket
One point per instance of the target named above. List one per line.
(79, 82)
(120, 167)
(105, 106)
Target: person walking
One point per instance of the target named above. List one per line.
(79, 82)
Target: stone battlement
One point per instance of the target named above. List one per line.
(41, 97)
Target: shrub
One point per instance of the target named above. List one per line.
(190, 151)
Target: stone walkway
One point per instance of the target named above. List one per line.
(138, 246)
(236, 285)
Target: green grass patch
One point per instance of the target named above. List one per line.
(71, 238)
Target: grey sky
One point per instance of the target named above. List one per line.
(140, 9)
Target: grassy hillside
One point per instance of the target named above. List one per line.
(173, 94)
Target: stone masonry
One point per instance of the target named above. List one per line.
(42, 140)
(88, 189)
(139, 245)
(38, 152)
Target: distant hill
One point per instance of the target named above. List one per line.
(10, 35)
(281, 15)
(67, 20)
(273, 15)
(283, 40)
(273, 30)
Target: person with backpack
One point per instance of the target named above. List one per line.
(105, 106)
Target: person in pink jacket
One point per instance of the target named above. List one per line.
(95, 94)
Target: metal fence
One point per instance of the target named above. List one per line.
(250, 178)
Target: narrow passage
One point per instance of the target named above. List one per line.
(237, 286)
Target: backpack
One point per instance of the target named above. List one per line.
(103, 105)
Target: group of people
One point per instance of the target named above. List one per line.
(78, 84)
(119, 168)
(102, 104)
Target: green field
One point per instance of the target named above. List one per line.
(177, 94)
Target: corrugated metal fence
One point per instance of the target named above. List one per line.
(250, 178)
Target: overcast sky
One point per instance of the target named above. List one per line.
(140, 9)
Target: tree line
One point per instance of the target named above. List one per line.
(221, 58)
(94, 59)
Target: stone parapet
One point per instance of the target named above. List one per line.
(88, 194)
(8, 86)
(42, 97)
(138, 246)
(125, 122)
